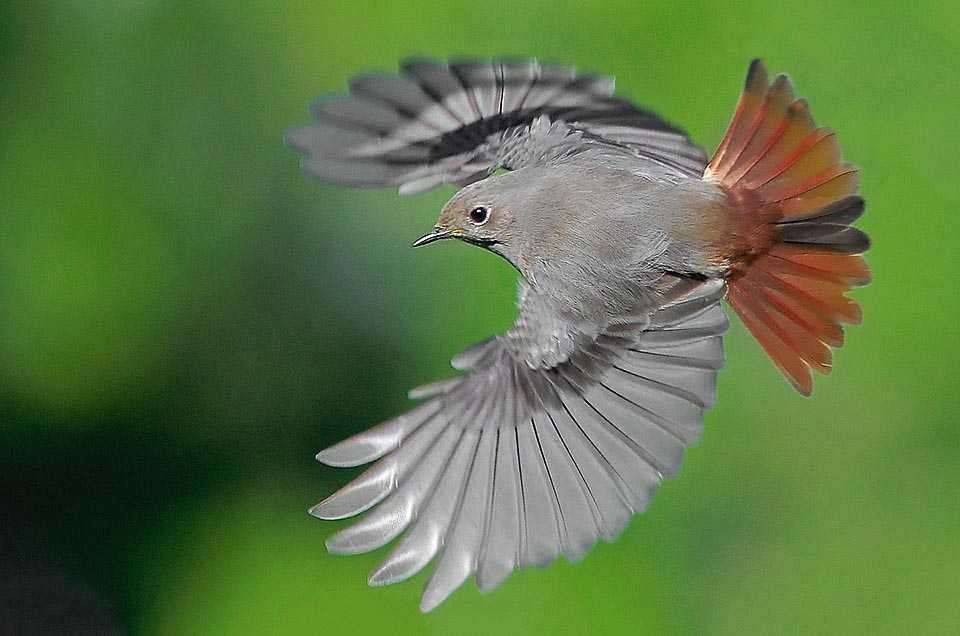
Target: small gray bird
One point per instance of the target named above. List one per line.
(627, 239)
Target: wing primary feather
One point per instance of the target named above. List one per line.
(499, 555)
(424, 538)
(465, 535)
(491, 501)
(381, 479)
(399, 509)
(435, 388)
(476, 356)
(350, 112)
(379, 440)
(522, 550)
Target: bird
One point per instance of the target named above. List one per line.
(626, 237)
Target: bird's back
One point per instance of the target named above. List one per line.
(599, 234)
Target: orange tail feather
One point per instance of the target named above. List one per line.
(784, 170)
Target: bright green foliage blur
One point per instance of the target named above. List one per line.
(185, 319)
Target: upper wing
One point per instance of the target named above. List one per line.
(457, 123)
(510, 466)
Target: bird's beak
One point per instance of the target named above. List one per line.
(435, 234)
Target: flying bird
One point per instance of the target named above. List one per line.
(627, 239)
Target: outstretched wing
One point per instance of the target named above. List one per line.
(456, 123)
(508, 466)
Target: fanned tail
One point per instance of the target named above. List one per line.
(787, 173)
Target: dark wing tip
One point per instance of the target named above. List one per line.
(756, 75)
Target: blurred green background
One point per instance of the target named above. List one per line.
(185, 320)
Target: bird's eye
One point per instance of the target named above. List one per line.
(479, 215)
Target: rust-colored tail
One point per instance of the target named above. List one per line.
(784, 171)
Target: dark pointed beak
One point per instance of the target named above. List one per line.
(435, 234)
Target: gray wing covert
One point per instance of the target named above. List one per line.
(509, 466)
(456, 123)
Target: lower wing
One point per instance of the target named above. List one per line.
(510, 466)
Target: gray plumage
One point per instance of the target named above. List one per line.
(562, 428)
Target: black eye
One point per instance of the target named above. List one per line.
(479, 215)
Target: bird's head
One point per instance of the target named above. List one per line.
(478, 214)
